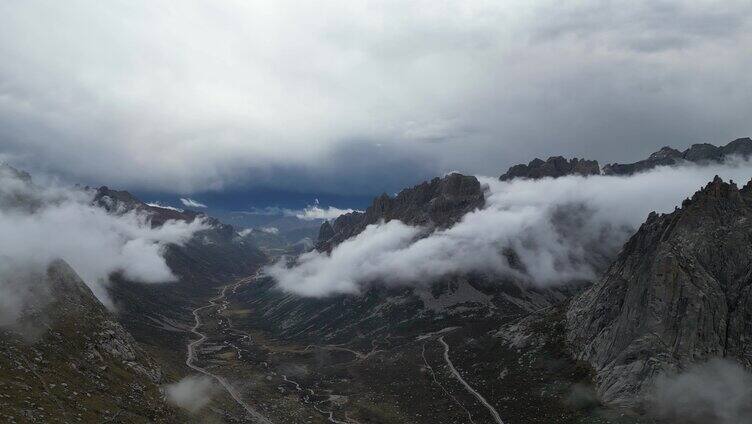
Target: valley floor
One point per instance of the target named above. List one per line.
(469, 374)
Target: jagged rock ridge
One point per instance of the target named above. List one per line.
(440, 202)
(679, 292)
(554, 167)
(558, 166)
(703, 153)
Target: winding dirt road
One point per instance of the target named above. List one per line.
(468, 387)
(218, 302)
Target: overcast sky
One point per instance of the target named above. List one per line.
(357, 97)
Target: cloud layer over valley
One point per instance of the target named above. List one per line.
(41, 223)
(546, 232)
(309, 213)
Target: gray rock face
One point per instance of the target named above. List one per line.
(698, 153)
(74, 301)
(440, 202)
(679, 292)
(68, 359)
(555, 166)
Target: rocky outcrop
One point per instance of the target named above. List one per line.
(74, 301)
(554, 167)
(679, 292)
(120, 201)
(438, 203)
(665, 157)
(68, 359)
(703, 153)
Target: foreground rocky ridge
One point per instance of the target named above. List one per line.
(67, 359)
(680, 292)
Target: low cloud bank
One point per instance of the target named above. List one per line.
(192, 393)
(719, 391)
(545, 232)
(266, 230)
(269, 230)
(309, 213)
(162, 206)
(42, 223)
(314, 212)
(190, 203)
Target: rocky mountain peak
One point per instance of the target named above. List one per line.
(740, 146)
(665, 152)
(717, 192)
(680, 292)
(702, 153)
(555, 166)
(437, 203)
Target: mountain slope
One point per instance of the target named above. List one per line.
(159, 315)
(680, 292)
(80, 366)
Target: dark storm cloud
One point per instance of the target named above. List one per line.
(352, 98)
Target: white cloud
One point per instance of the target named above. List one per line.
(245, 232)
(190, 203)
(202, 95)
(269, 230)
(718, 391)
(192, 393)
(42, 223)
(309, 213)
(560, 229)
(161, 206)
(314, 212)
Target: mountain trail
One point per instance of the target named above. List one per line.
(469, 388)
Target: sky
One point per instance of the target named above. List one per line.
(301, 100)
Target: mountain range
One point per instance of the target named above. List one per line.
(613, 345)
